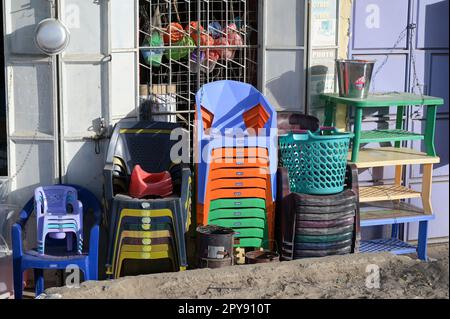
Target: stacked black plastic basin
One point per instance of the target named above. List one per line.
(318, 225)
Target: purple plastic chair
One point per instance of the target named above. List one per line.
(31, 259)
(59, 215)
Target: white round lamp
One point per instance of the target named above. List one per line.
(51, 36)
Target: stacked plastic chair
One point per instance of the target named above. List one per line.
(317, 193)
(59, 215)
(236, 152)
(146, 232)
(56, 256)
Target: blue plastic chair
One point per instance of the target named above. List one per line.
(87, 262)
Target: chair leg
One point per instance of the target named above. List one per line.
(69, 241)
(79, 238)
(87, 273)
(39, 281)
(18, 280)
(423, 240)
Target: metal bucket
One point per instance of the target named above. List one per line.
(214, 242)
(354, 77)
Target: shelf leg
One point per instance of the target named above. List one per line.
(430, 130)
(398, 175)
(398, 182)
(427, 181)
(341, 120)
(357, 131)
(394, 232)
(329, 113)
(399, 122)
(423, 239)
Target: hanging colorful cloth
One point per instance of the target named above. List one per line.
(215, 29)
(232, 38)
(174, 33)
(154, 56)
(180, 53)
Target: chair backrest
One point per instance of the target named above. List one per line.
(56, 200)
(144, 143)
(92, 215)
(227, 104)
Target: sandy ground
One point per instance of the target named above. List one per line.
(329, 277)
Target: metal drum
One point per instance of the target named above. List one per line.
(354, 77)
(215, 246)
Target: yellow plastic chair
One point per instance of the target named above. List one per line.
(143, 214)
(138, 234)
(145, 249)
(143, 256)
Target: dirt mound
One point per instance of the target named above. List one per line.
(329, 277)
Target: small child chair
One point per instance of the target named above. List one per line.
(32, 259)
(59, 215)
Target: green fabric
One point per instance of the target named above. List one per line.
(153, 57)
(178, 54)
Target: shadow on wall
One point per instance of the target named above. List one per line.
(280, 87)
(29, 13)
(316, 86)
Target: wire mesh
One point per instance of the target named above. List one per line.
(187, 43)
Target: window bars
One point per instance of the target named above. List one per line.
(187, 43)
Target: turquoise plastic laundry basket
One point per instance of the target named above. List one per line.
(316, 161)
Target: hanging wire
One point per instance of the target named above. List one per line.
(415, 79)
(400, 38)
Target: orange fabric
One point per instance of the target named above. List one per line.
(174, 33)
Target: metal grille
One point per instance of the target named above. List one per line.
(218, 41)
(392, 245)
